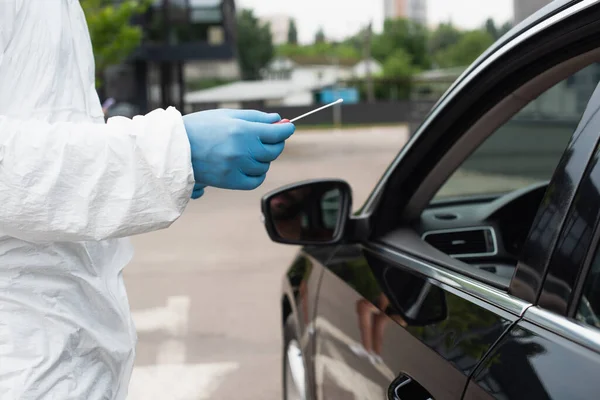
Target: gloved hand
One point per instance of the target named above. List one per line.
(233, 149)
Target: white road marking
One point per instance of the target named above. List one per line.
(173, 318)
(178, 382)
(171, 378)
(171, 352)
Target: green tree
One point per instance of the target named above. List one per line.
(490, 28)
(113, 36)
(324, 49)
(507, 26)
(320, 36)
(402, 34)
(444, 36)
(398, 65)
(255, 45)
(347, 51)
(469, 47)
(287, 50)
(357, 41)
(292, 33)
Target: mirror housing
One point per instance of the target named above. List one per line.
(313, 212)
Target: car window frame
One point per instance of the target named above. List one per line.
(592, 252)
(565, 324)
(511, 48)
(539, 261)
(583, 274)
(389, 186)
(447, 278)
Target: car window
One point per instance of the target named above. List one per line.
(527, 148)
(588, 310)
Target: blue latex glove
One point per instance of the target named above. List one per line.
(198, 191)
(233, 149)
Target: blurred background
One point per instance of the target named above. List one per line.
(205, 293)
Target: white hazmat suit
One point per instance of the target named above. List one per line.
(71, 188)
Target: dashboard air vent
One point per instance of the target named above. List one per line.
(465, 242)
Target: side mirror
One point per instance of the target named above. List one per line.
(308, 213)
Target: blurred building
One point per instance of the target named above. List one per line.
(280, 27)
(524, 8)
(415, 10)
(252, 94)
(390, 8)
(315, 71)
(183, 39)
(288, 81)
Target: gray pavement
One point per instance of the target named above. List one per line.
(205, 293)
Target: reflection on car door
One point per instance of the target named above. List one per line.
(382, 321)
(547, 355)
(532, 362)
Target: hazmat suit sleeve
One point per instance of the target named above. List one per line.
(86, 181)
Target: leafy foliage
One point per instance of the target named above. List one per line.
(399, 64)
(406, 35)
(445, 36)
(403, 48)
(496, 32)
(255, 44)
(292, 33)
(113, 35)
(324, 49)
(470, 46)
(320, 36)
(490, 28)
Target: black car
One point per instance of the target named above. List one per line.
(473, 269)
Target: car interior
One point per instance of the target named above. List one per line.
(481, 235)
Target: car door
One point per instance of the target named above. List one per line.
(554, 351)
(396, 316)
(384, 317)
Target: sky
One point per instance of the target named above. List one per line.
(342, 18)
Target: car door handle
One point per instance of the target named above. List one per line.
(406, 388)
